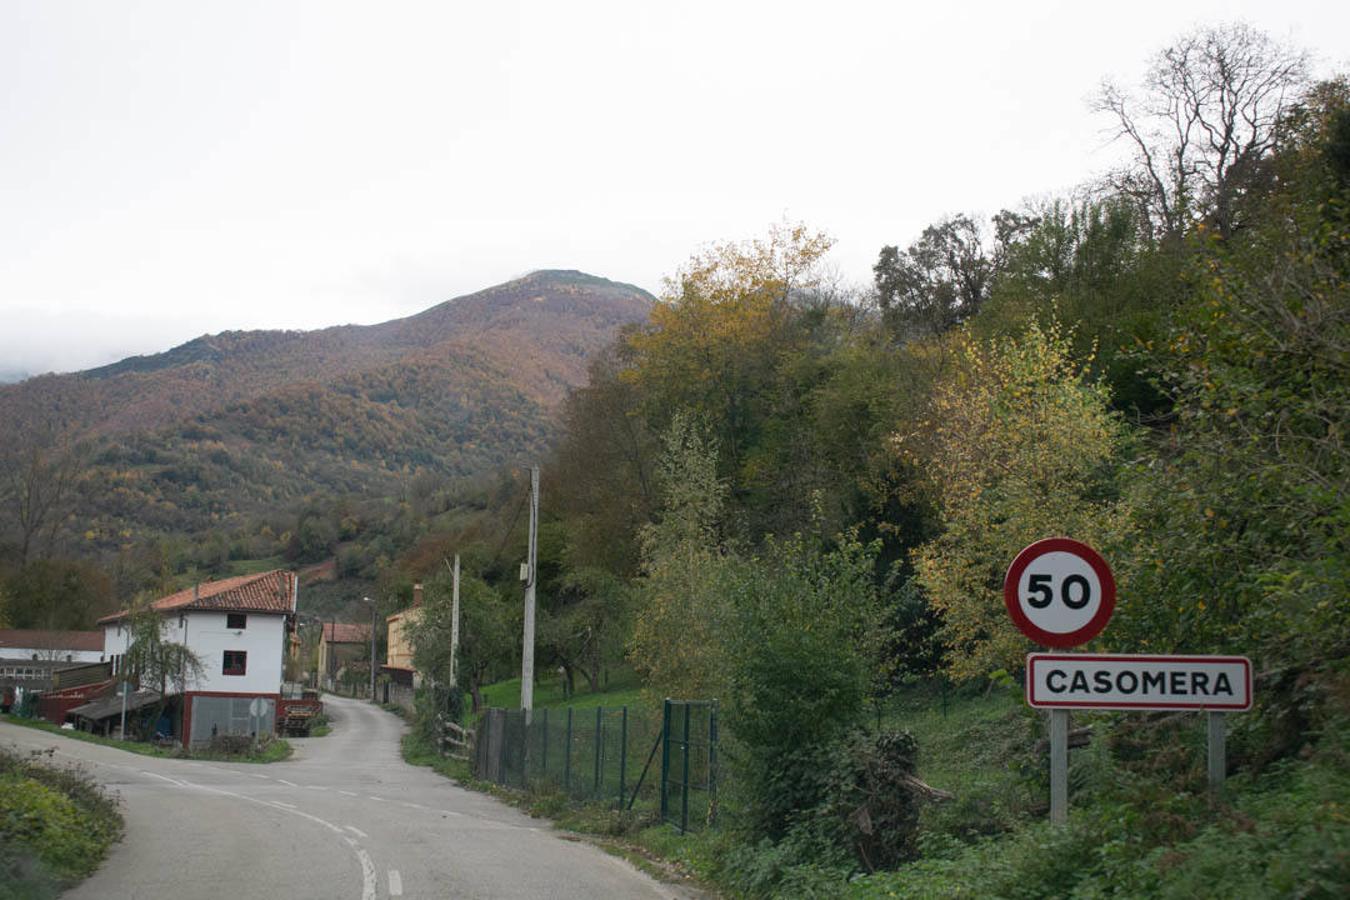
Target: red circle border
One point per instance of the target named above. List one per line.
(1050, 638)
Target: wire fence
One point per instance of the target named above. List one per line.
(689, 764)
(587, 754)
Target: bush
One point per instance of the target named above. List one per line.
(56, 825)
(870, 799)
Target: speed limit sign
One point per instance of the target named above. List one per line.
(1060, 592)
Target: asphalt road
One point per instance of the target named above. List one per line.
(344, 819)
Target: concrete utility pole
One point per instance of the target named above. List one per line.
(454, 623)
(527, 651)
(372, 648)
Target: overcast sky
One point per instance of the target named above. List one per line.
(170, 169)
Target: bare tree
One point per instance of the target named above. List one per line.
(39, 468)
(1208, 114)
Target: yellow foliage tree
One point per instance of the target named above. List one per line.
(712, 341)
(1019, 446)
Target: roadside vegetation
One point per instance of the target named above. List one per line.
(56, 825)
(225, 748)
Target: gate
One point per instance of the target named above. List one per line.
(689, 763)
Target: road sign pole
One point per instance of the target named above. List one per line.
(1218, 761)
(1059, 766)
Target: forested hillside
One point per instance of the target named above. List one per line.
(211, 451)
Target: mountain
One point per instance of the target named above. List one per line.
(244, 421)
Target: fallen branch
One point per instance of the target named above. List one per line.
(1078, 739)
(927, 791)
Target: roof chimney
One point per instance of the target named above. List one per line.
(417, 595)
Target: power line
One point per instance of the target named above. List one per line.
(510, 528)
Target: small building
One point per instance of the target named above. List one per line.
(35, 660)
(239, 628)
(32, 644)
(399, 649)
(340, 645)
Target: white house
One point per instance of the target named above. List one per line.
(51, 646)
(238, 628)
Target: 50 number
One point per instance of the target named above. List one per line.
(1075, 592)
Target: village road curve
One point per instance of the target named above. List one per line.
(344, 819)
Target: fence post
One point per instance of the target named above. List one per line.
(623, 754)
(567, 755)
(684, 801)
(545, 751)
(665, 756)
(712, 764)
(599, 748)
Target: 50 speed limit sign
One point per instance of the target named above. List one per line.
(1060, 592)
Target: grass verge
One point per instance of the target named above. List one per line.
(56, 826)
(272, 751)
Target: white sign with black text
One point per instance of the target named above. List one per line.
(1137, 682)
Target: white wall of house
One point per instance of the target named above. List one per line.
(51, 654)
(207, 634)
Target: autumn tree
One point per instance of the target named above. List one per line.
(1019, 445)
(39, 467)
(603, 466)
(722, 326)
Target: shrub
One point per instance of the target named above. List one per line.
(870, 797)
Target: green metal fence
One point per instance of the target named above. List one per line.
(590, 754)
(602, 753)
(689, 763)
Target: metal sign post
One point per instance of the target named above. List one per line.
(1060, 593)
(1059, 766)
(1217, 755)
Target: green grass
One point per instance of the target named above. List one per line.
(963, 740)
(275, 751)
(253, 566)
(623, 690)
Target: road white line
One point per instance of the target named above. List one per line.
(348, 793)
(380, 799)
(356, 831)
(163, 778)
(288, 783)
(368, 879)
(367, 875)
(254, 775)
(395, 883)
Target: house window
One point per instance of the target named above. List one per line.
(236, 620)
(236, 661)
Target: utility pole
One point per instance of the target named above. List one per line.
(454, 623)
(531, 573)
(125, 686)
(372, 648)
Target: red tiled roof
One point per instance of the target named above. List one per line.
(266, 592)
(343, 633)
(37, 639)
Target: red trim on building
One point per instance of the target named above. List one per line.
(187, 707)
